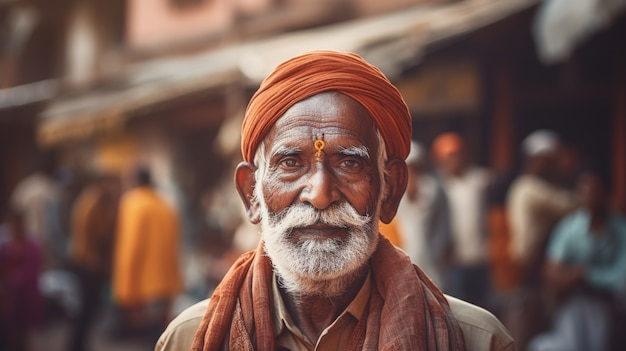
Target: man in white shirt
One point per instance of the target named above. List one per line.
(466, 188)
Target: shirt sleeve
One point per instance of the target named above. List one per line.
(611, 277)
(558, 246)
(481, 329)
(557, 201)
(181, 331)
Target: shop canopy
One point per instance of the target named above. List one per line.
(392, 42)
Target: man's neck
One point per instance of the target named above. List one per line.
(599, 216)
(314, 313)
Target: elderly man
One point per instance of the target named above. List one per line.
(324, 141)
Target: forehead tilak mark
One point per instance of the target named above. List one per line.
(319, 145)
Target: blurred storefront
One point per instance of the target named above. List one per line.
(176, 103)
(496, 84)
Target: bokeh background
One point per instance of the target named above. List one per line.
(98, 86)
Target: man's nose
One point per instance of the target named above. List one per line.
(321, 189)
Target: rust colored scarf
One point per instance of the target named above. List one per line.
(406, 310)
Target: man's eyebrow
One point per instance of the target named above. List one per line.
(285, 150)
(360, 151)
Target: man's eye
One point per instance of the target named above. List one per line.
(289, 163)
(350, 164)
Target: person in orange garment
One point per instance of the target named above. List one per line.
(146, 272)
(324, 143)
(93, 221)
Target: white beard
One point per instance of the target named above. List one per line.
(318, 267)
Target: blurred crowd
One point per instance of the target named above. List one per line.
(71, 258)
(539, 247)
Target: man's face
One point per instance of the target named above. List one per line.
(453, 163)
(320, 205)
(590, 190)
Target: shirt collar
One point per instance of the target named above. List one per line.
(282, 318)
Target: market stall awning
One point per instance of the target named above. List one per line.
(392, 42)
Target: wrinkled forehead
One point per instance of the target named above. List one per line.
(326, 115)
(328, 107)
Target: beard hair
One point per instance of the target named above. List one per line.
(318, 267)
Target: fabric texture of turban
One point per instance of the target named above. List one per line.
(319, 71)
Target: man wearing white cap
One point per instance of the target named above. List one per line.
(534, 205)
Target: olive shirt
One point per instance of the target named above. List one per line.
(481, 329)
(335, 337)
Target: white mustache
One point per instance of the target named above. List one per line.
(301, 215)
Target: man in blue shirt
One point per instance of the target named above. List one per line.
(585, 271)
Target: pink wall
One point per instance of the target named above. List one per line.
(152, 23)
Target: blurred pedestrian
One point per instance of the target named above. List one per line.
(466, 187)
(146, 272)
(40, 197)
(93, 228)
(534, 205)
(423, 217)
(505, 275)
(585, 271)
(21, 305)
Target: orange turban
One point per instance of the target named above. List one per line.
(319, 71)
(446, 144)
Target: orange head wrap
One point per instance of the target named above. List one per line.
(319, 71)
(446, 144)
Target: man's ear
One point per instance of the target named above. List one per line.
(245, 182)
(397, 178)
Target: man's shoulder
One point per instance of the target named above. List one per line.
(574, 224)
(618, 220)
(481, 329)
(180, 332)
